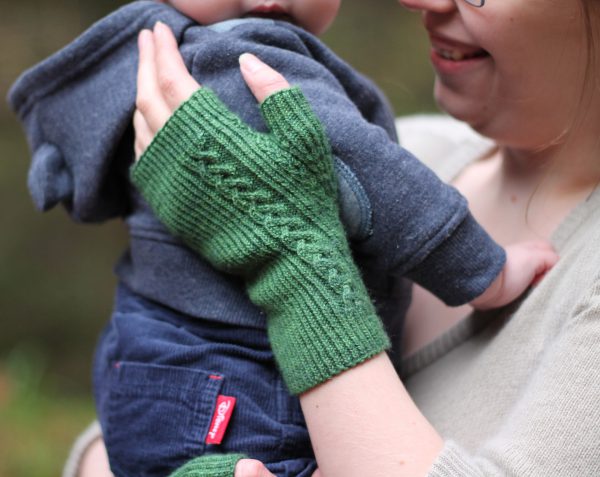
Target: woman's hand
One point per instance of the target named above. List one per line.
(164, 82)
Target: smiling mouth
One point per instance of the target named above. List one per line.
(457, 55)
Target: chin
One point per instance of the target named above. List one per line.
(465, 108)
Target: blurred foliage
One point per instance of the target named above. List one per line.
(38, 421)
(56, 279)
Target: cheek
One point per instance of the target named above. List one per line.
(209, 11)
(541, 73)
(315, 15)
(533, 86)
(537, 45)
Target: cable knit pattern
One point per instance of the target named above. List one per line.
(262, 206)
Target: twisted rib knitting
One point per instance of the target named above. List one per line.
(263, 206)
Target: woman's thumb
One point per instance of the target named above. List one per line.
(251, 468)
(261, 78)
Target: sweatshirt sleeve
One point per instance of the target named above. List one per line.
(552, 430)
(421, 227)
(416, 225)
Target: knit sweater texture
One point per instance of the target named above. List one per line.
(515, 392)
(422, 229)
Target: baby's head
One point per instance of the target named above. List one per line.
(313, 15)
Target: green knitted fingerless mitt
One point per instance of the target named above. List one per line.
(263, 206)
(217, 465)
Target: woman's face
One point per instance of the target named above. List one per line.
(513, 69)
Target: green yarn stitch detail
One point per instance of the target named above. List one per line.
(216, 465)
(262, 206)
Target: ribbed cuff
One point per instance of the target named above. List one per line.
(318, 328)
(217, 465)
(453, 462)
(321, 350)
(463, 266)
(293, 121)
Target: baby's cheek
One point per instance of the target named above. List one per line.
(315, 15)
(208, 12)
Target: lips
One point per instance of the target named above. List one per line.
(272, 8)
(457, 55)
(453, 50)
(273, 11)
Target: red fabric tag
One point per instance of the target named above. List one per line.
(220, 420)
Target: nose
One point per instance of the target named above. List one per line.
(437, 6)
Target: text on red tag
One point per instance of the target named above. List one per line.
(222, 415)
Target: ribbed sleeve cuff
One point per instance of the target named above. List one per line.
(314, 352)
(217, 465)
(463, 266)
(292, 120)
(451, 462)
(320, 323)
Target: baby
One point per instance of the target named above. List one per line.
(184, 368)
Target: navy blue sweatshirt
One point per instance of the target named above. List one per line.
(77, 108)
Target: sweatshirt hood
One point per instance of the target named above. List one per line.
(76, 108)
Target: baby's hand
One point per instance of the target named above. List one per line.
(526, 264)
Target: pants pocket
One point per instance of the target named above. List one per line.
(157, 417)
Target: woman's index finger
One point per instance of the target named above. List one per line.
(146, 69)
(149, 100)
(174, 80)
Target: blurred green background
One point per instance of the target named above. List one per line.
(56, 279)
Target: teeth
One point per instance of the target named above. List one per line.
(451, 55)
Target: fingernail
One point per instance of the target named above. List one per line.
(250, 62)
(158, 25)
(143, 35)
